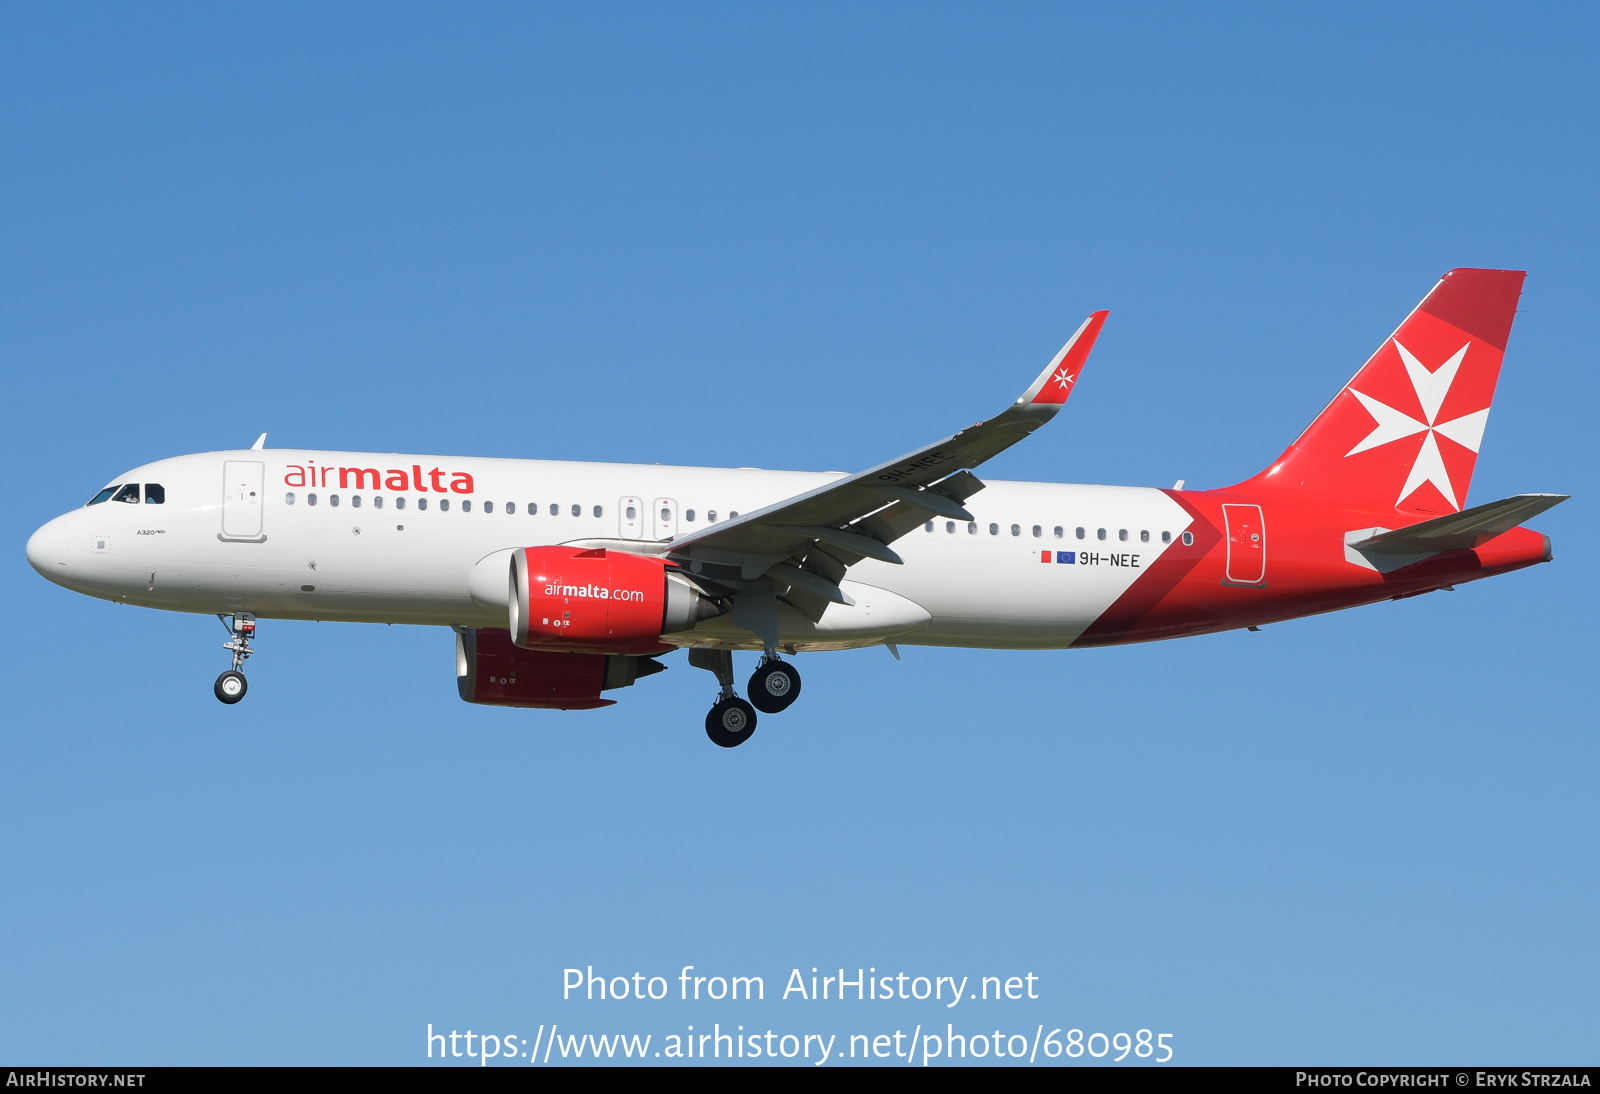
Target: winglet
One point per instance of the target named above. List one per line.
(261, 442)
(1055, 382)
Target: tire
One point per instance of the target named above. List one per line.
(774, 686)
(231, 686)
(730, 723)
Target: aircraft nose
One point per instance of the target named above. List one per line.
(47, 549)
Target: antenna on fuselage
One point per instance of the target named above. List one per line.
(261, 442)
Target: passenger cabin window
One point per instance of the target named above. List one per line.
(1144, 537)
(599, 511)
(311, 499)
(129, 494)
(1037, 531)
(972, 528)
(466, 505)
(422, 503)
(1122, 534)
(555, 510)
(577, 511)
(733, 515)
(1188, 539)
(355, 501)
(1060, 531)
(711, 516)
(333, 500)
(488, 507)
(688, 514)
(928, 527)
(444, 505)
(155, 494)
(102, 495)
(994, 529)
(1016, 529)
(399, 503)
(1166, 537)
(950, 526)
(666, 514)
(288, 499)
(1100, 532)
(377, 501)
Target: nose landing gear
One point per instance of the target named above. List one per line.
(231, 685)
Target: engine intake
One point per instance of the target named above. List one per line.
(600, 601)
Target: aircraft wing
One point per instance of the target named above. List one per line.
(806, 542)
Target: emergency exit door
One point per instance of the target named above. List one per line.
(665, 512)
(631, 518)
(243, 482)
(1247, 544)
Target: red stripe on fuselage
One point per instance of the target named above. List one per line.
(1118, 622)
(1307, 571)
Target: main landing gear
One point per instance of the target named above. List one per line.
(231, 685)
(730, 722)
(774, 685)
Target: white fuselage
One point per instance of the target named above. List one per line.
(227, 538)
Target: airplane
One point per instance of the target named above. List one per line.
(564, 580)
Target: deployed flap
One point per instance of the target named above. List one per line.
(922, 483)
(1461, 531)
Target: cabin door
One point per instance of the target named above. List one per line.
(243, 482)
(1247, 544)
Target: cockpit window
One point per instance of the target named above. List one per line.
(102, 495)
(129, 494)
(155, 494)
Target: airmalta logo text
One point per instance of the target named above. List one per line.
(597, 592)
(370, 478)
(1391, 424)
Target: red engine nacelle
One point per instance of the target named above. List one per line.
(490, 670)
(599, 601)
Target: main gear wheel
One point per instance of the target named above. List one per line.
(730, 722)
(773, 686)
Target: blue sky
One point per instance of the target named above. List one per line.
(808, 237)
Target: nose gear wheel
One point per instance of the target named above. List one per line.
(231, 686)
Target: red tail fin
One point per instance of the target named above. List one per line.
(1405, 431)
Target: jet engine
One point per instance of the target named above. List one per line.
(490, 670)
(600, 601)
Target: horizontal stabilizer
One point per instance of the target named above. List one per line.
(1461, 531)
